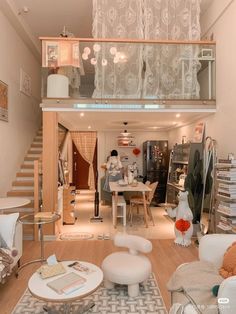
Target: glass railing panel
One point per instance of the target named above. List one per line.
(98, 71)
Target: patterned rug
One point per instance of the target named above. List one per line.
(115, 301)
(76, 236)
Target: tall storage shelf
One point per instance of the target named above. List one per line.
(226, 196)
(181, 162)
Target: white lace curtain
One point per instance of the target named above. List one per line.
(150, 71)
(85, 142)
(118, 19)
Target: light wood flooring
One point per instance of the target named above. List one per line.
(165, 257)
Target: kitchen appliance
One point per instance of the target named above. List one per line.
(155, 167)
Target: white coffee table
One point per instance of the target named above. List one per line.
(39, 289)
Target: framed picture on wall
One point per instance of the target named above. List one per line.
(3, 101)
(25, 83)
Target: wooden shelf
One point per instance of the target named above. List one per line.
(180, 162)
(226, 214)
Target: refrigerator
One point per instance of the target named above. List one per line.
(155, 167)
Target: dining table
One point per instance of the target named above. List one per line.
(116, 188)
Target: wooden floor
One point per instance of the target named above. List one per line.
(165, 257)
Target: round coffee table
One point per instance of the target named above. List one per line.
(39, 289)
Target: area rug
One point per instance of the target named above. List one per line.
(76, 236)
(114, 301)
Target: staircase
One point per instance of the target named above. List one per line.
(23, 186)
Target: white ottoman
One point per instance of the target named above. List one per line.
(128, 268)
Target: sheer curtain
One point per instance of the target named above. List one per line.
(122, 76)
(85, 142)
(171, 70)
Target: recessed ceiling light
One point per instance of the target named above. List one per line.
(89, 127)
(81, 114)
(178, 115)
(154, 127)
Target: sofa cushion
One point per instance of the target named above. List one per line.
(195, 281)
(228, 268)
(7, 229)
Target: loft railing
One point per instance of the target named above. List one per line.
(126, 72)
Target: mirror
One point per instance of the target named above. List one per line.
(208, 185)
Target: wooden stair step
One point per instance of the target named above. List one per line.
(23, 183)
(31, 158)
(25, 166)
(34, 145)
(25, 174)
(38, 140)
(37, 152)
(20, 193)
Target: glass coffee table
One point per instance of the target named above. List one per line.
(32, 220)
(39, 289)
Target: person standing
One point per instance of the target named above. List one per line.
(114, 170)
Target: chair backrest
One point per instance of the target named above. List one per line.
(134, 243)
(150, 194)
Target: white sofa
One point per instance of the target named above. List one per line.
(211, 249)
(17, 247)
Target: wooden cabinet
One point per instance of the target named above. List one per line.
(68, 207)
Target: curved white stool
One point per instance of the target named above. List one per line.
(128, 268)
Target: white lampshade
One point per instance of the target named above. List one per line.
(57, 86)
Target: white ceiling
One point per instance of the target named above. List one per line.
(113, 121)
(47, 18)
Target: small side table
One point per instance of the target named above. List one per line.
(31, 220)
(7, 203)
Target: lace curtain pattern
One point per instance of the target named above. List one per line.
(122, 74)
(166, 71)
(85, 142)
(171, 70)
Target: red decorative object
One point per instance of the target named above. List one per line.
(182, 225)
(136, 151)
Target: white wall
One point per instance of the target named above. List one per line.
(23, 111)
(107, 141)
(220, 20)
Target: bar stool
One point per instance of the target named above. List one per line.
(121, 204)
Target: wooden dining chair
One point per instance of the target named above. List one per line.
(138, 201)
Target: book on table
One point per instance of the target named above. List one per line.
(44, 215)
(67, 283)
(227, 161)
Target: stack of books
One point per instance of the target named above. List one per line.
(227, 208)
(224, 223)
(227, 174)
(227, 190)
(44, 215)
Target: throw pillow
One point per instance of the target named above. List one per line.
(7, 227)
(229, 262)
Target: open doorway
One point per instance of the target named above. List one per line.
(81, 169)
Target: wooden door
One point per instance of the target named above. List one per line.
(81, 169)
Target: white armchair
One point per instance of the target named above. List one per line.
(211, 249)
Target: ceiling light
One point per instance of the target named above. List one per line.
(81, 114)
(178, 115)
(89, 127)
